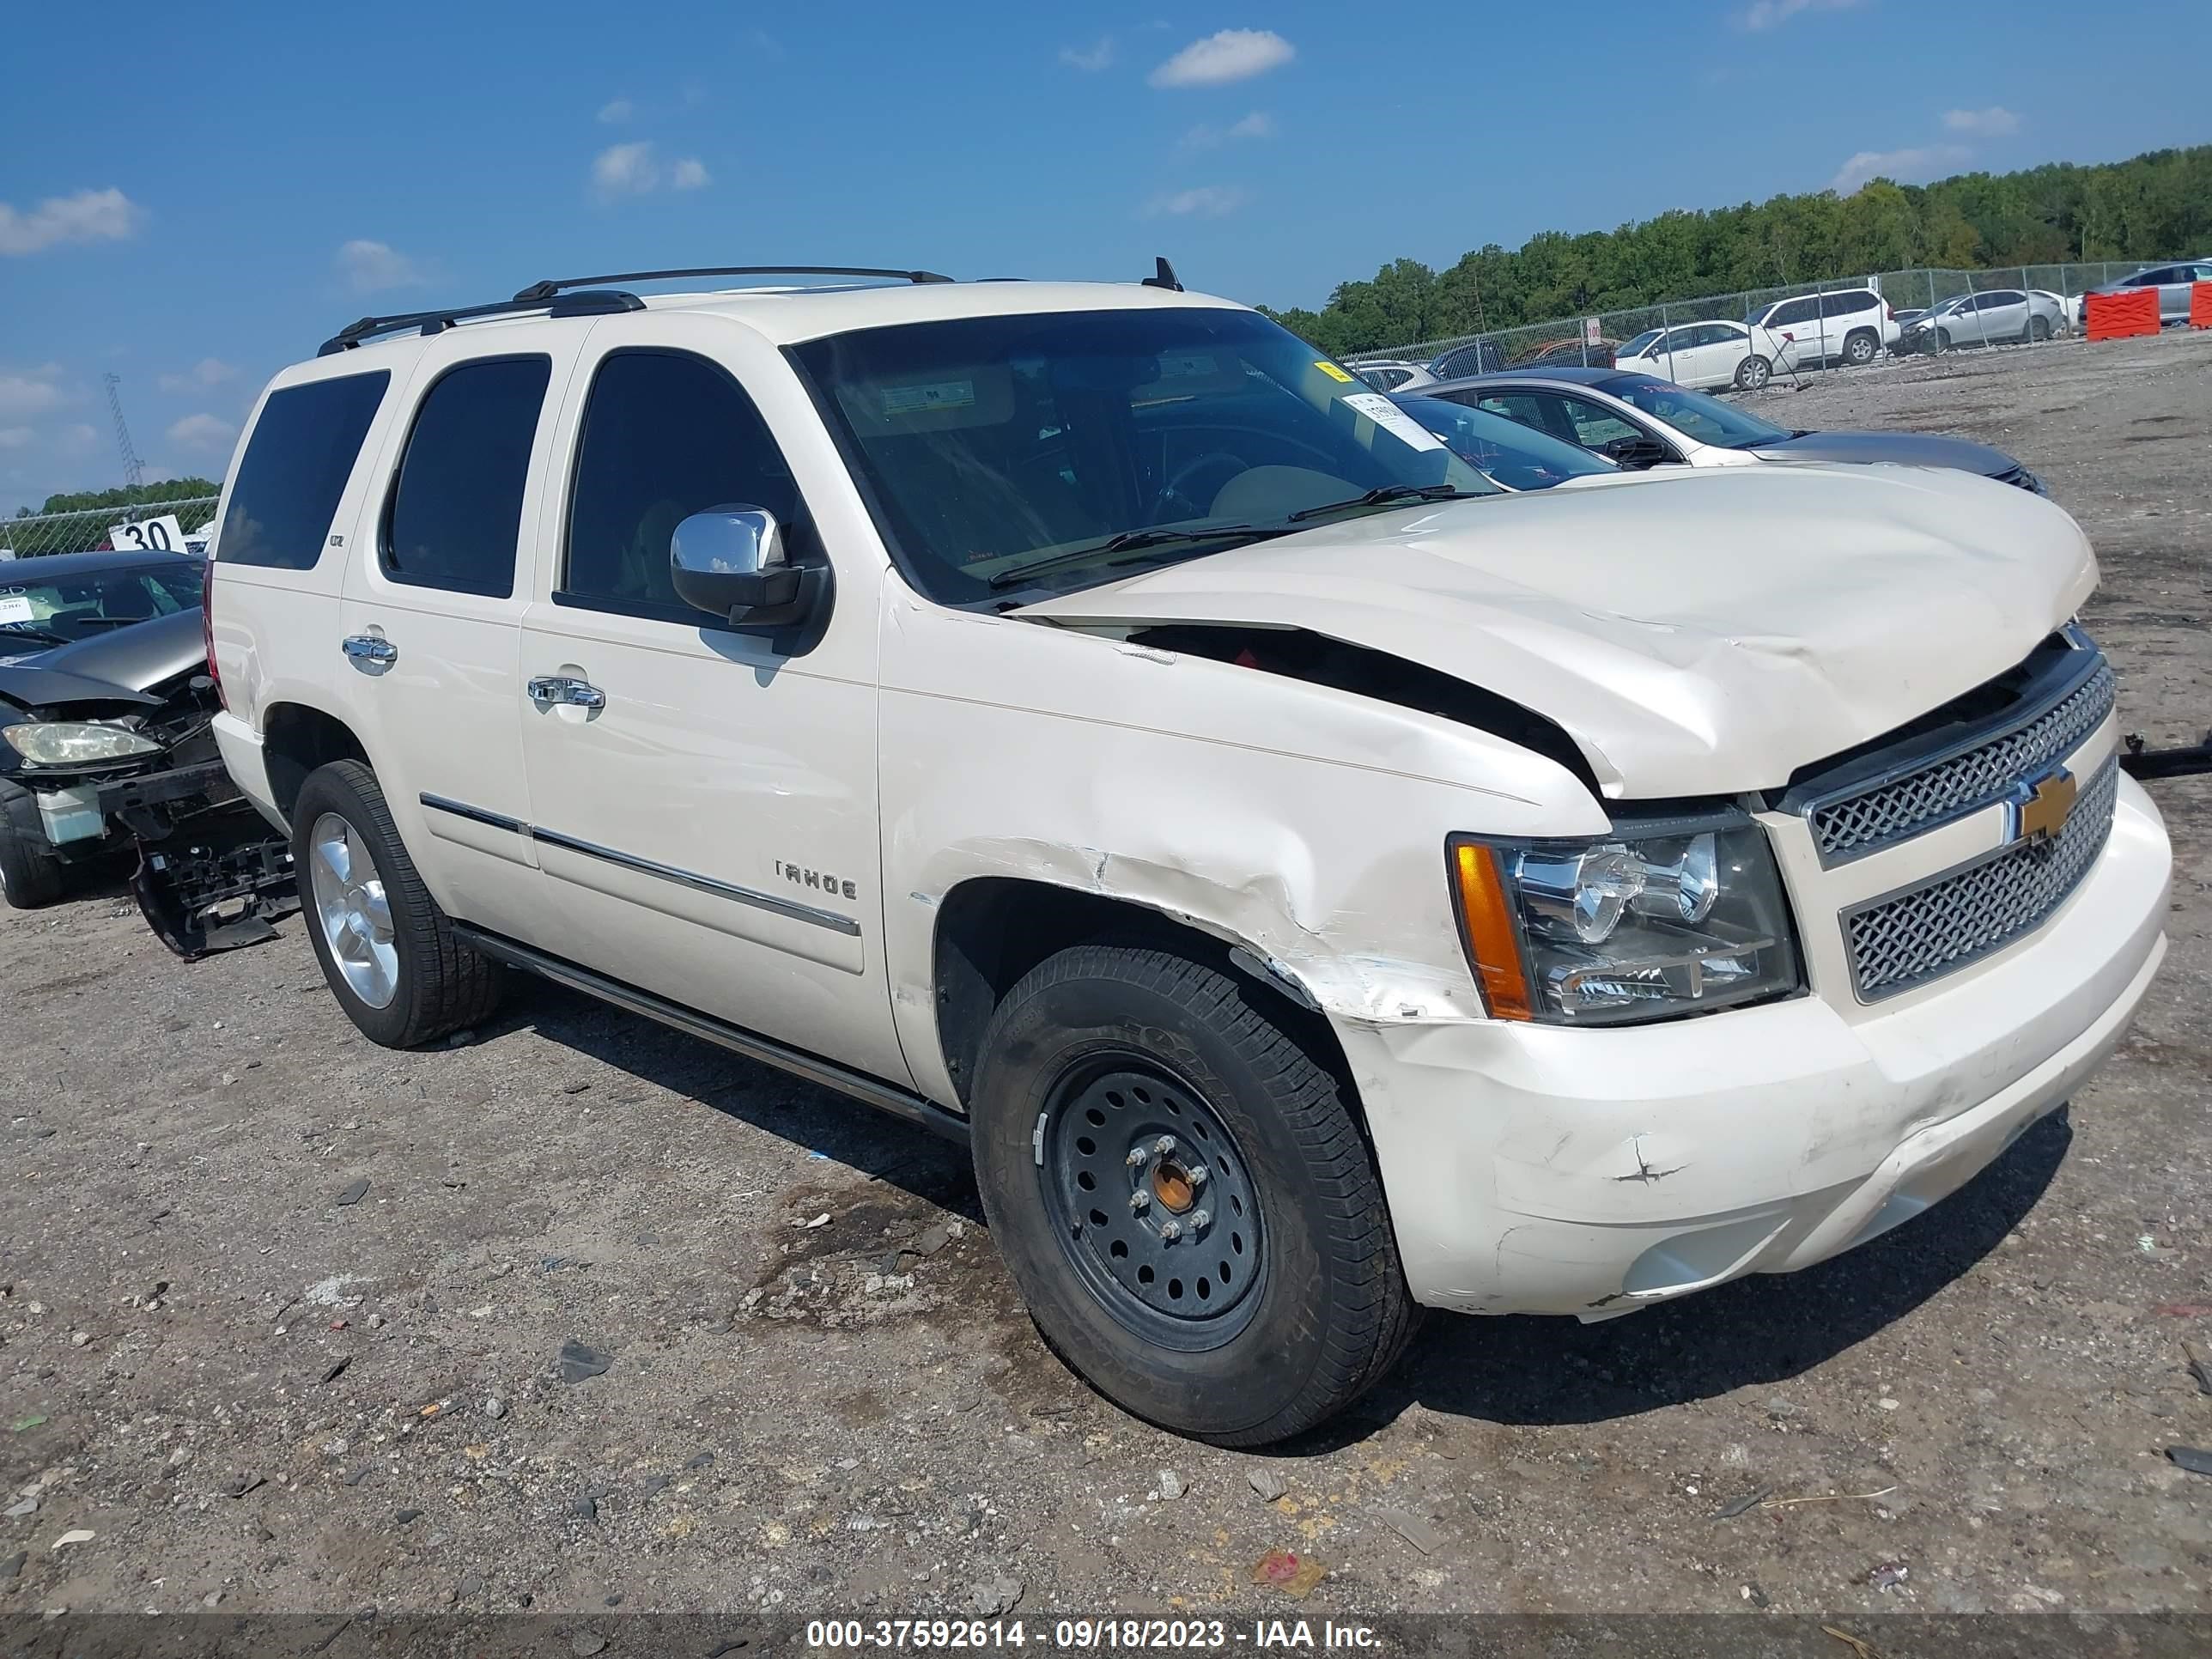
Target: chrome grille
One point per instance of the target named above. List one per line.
(1912, 936)
(1958, 784)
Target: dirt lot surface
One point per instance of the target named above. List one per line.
(285, 1311)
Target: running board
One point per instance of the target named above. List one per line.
(870, 1090)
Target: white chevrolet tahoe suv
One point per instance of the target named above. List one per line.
(1316, 882)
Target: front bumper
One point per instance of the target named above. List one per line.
(1538, 1169)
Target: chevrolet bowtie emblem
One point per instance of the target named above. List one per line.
(2040, 808)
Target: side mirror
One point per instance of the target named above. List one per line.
(729, 561)
(1638, 454)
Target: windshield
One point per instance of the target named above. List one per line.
(1693, 414)
(74, 607)
(1517, 456)
(988, 444)
(1635, 347)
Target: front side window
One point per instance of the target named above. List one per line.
(1708, 420)
(666, 435)
(992, 447)
(1793, 311)
(456, 514)
(1596, 426)
(296, 468)
(1635, 347)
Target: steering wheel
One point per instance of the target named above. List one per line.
(1177, 487)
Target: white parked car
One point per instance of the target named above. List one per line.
(1387, 375)
(1314, 883)
(1852, 326)
(1999, 316)
(1718, 353)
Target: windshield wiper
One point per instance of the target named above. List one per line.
(1385, 495)
(1127, 542)
(30, 631)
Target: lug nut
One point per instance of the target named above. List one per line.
(1170, 1231)
(1200, 1219)
(1164, 1146)
(1199, 1174)
(1138, 1158)
(1140, 1199)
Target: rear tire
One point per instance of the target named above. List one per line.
(2039, 330)
(404, 979)
(1248, 1326)
(1753, 372)
(30, 876)
(1861, 348)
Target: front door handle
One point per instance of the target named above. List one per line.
(368, 648)
(551, 688)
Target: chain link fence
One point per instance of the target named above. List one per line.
(2037, 303)
(179, 526)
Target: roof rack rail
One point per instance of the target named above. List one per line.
(543, 291)
(598, 303)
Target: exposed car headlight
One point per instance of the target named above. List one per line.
(1661, 918)
(75, 742)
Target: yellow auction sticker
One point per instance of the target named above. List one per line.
(1334, 372)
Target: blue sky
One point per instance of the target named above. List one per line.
(192, 198)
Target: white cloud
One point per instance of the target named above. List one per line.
(15, 437)
(202, 432)
(1231, 55)
(1773, 13)
(90, 216)
(1205, 202)
(1907, 167)
(624, 170)
(208, 370)
(369, 266)
(616, 110)
(76, 439)
(1995, 122)
(1091, 58)
(1257, 125)
(690, 173)
(30, 393)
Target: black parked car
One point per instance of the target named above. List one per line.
(105, 747)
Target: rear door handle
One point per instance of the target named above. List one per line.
(368, 648)
(560, 689)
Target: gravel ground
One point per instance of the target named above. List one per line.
(285, 1313)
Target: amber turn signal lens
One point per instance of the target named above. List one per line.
(1486, 923)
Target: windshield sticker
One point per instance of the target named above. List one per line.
(922, 400)
(1333, 372)
(1393, 420)
(15, 609)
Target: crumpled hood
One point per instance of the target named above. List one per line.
(113, 667)
(1904, 448)
(1699, 635)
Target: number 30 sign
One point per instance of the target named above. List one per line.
(162, 535)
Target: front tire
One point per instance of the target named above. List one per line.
(30, 876)
(387, 951)
(1753, 372)
(1179, 1188)
(1942, 339)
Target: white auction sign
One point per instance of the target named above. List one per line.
(162, 535)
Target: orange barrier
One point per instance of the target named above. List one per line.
(2116, 316)
(2200, 305)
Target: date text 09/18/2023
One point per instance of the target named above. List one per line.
(1086, 1634)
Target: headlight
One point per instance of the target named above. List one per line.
(1660, 919)
(75, 742)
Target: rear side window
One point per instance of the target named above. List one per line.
(456, 513)
(665, 436)
(296, 468)
(1844, 303)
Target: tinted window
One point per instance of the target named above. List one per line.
(457, 512)
(2150, 278)
(1843, 305)
(664, 436)
(2002, 298)
(1793, 311)
(1596, 426)
(294, 470)
(46, 610)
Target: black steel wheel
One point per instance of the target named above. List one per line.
(1153, 1202)
(1122, 1092)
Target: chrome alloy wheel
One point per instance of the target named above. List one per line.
(351, 907)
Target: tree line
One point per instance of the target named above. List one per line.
(2156, 206)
